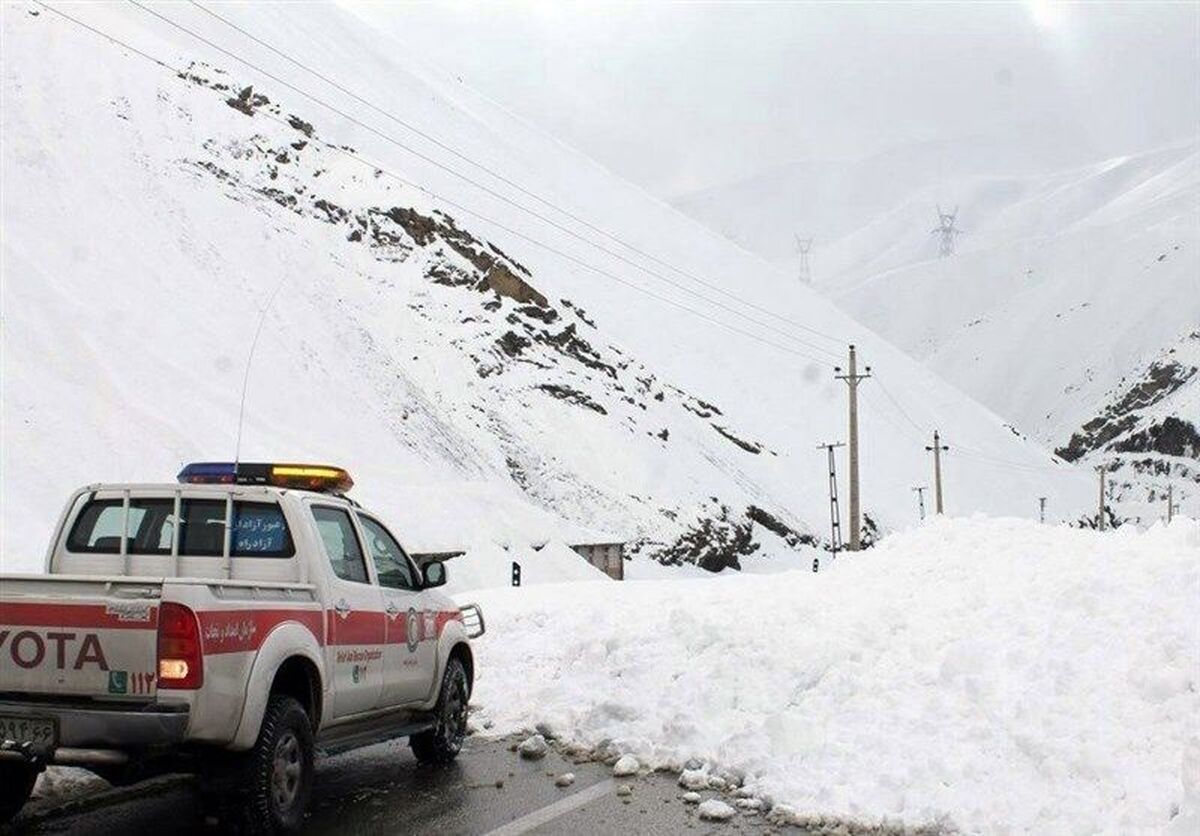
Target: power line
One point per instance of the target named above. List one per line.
(902, 428)
(968, 452)
(453, 204)
(492, 192)
(993, 460)
(500, 177)
(108, 37)
(887, 393)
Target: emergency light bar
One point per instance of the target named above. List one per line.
(305, 477)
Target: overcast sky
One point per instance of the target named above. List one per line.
(679, 96)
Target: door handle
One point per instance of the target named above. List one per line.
(392, 609)
(342, 608)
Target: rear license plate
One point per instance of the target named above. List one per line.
(32, 730)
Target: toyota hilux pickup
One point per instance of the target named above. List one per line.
(234, 624)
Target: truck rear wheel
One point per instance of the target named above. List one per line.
(442, 743)
(16, 785)
(279, 774)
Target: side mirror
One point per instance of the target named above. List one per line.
(435, 574)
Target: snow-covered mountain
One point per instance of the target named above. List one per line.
(594, 362)
(1064, 290)
(1146, 434)
(829, 199)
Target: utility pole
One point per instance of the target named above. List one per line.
(938, 448)
(835, 517)
(803, 246)
(1100, 516)
(852, 379)
(945, 231)
(1041, 509)
(920, 489)
(1170, 503)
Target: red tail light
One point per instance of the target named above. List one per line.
(180, 657)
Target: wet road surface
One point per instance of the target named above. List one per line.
(383, 790)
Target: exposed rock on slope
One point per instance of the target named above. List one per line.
(420, 328)
(1148, 434)
(504, 323)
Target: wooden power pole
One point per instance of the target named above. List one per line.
(1041, 509)
(1100, 515)
(852, 379)
(1170, 503)
(937, 449)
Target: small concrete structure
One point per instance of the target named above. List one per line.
(609, 558)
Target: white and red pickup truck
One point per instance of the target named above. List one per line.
(233, 624)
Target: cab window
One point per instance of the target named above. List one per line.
(391, 564)
(259, 529)
(341, 543)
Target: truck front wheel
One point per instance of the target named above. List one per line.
(279, 777)
(442, 743)
(16, 785)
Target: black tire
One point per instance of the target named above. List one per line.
(16, 785)
(279, 770)
(444, 741)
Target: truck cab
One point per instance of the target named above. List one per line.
(247, 616)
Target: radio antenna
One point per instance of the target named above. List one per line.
(262, 318)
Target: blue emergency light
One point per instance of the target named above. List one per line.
(306, 477)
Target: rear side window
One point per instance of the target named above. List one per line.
(259, 528)
(341, 543)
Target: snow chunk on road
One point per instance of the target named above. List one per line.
(994, 673)
(533, 748)
(715, 810)
(626, 765)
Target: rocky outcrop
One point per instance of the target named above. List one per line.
(1161, 379)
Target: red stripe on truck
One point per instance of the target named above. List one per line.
(117, 616)
(237, 631)
(355, 627)
(426, 624)
(444, 617)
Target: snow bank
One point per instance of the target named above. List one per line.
(489, 565)
(1016, 678)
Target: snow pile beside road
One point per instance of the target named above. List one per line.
(490, 565)
(1012, 677)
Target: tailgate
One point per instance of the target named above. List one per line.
(79, 636)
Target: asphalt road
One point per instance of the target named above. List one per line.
(383, 790)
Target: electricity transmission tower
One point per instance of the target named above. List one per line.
(1041, 509)
(945, 231)
(835, 517)
(920, 492)
(938, 448)
(852, 379)
(803, 246)
(1102, 470)
(1171, 506)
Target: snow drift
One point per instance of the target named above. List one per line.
(1016, 678)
